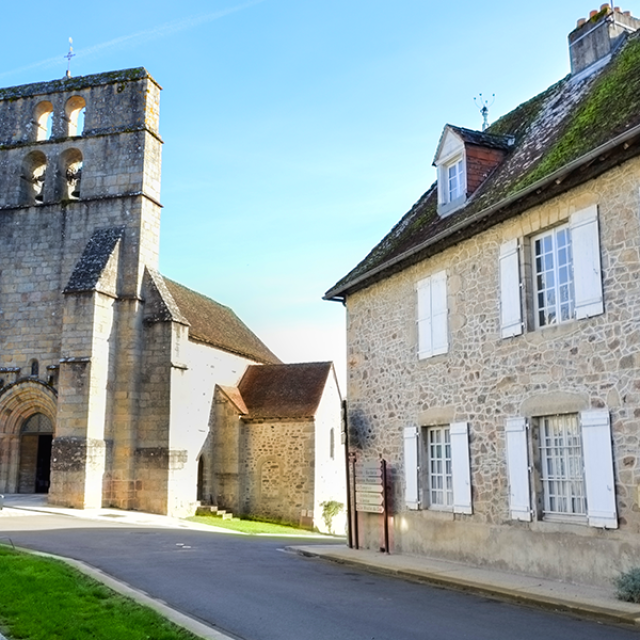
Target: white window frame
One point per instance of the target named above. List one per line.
(561, 308)
(439, 467)
(448, 200)
(562, 468)
(432, 316)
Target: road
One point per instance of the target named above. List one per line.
(250, 588)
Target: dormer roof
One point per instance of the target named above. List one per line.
(469, 136)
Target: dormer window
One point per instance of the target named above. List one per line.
(455, 177)
(464, 160)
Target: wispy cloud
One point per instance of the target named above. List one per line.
(136, 39)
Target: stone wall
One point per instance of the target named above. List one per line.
(484, 379)
(277, 469)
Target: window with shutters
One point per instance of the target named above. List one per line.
(437, 468)
(563, 281)
(432, 320)
(572, 475)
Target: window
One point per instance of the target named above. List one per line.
(440, 479)
(553, 277)
(573, 476)
(565, 280)
(562, 472)
(74, 111)
(34, 168)
(35, 369)
(71, 174)
(433, 332)
(437, 468)
(43, 120)
(455, 180)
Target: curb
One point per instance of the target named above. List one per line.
(551, 603)
(196, 627)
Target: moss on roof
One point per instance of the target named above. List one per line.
(560, 125)
(74, 83)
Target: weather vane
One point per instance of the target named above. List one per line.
(69, 56)
(484, 105)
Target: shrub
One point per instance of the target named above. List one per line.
(330, 509)
(628, 585)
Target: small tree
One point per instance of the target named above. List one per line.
(330, 509)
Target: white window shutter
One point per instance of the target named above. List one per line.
(598, 469)
(439, 313)
(411, 495)
(518, 469)
(460, 467)
(510, 304)
(587, 276)
(425, 344)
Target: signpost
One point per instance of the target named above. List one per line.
(370, 483)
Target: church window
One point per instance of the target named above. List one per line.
(43, 120)
(33, 175)
(35, 368)
(74, 111)
(71, 174)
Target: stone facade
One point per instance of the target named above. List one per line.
(484, 379)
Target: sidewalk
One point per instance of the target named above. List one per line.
(581, 600)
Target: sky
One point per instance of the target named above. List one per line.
(297, 132)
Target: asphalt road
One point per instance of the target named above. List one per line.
(250, 588)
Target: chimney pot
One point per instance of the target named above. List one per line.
(593, 13)
(617, 9)
(580, 22)
(627, 13)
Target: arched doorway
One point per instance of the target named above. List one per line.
(34, 471)
(27, 424)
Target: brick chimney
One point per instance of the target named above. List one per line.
(595, 38)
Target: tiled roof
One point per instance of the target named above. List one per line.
(574, 131)
(218, 326)
(284, 391)
(482, 138)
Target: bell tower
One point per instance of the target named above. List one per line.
(79, 224)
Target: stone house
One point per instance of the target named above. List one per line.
(276, 449)
(107, 369)
(493, 334)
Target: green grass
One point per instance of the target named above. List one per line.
(45, 599)
(250, 526)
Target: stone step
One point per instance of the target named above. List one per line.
(210, 510)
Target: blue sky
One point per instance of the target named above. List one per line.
(297, 132)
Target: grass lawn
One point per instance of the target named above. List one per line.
(250, 526)
(45, 599)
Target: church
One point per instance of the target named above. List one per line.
(110, 374)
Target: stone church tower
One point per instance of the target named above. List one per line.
(79, 235)
(108, 370)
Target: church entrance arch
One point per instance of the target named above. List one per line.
(34, 471)
(27, 427)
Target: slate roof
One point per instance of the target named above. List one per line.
(290, 391)
(214, 324)
(94, 259)
(574, 131)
